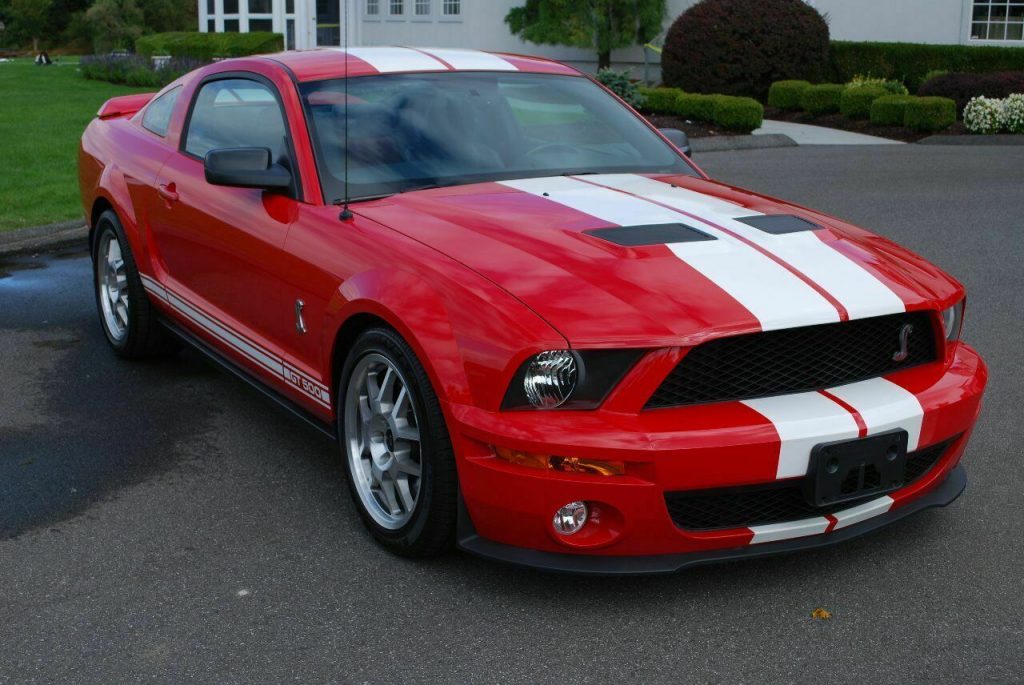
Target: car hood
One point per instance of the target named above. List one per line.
(625, 259)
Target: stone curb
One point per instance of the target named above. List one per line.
(725, 143)
(1003, 139)
(45, 237)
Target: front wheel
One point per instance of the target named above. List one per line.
(398, 454)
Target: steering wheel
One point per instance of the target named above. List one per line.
(551, 146)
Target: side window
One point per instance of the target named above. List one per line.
(157, 116)
(233, 113)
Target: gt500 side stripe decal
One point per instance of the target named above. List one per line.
(248, 349)
(776, 297)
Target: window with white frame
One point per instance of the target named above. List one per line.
(451, 8)
(396, 8)
(422, 8)
(997, 20)
(373, 8)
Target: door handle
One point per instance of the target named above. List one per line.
(168, 192)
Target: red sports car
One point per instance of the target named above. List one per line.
(536, 329)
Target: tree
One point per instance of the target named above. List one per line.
(602, 25)
(30, 19)
(115, 24)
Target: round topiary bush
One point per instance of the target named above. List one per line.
(824, 98)
(928, 115)
(737, 113)
(890, 110)
(787, 94)
(856, 100)
(741, 47)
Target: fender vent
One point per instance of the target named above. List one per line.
(652, 234)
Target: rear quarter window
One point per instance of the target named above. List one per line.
(157, 117)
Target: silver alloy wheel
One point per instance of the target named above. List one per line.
(382, 439)
(112, 282)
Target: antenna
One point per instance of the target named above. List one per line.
(346, 213)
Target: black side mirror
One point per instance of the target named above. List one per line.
(245, 167)
(679, 139)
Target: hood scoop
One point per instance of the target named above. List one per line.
(650, 234)
(780, 224)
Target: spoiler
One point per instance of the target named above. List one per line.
(124, 105)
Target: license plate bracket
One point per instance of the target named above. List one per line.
(847, 470)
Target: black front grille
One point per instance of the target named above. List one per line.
(796, 360)
(772, 502)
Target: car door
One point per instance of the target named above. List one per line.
(221, 248)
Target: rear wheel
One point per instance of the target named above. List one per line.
(398, 454)
(126, 315)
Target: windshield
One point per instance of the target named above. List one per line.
(413, 131)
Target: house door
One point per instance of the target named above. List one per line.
(328, 23)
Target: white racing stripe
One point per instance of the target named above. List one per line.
(774, 532)
(860, 292)
(863, 512)
(802, 421)
(884, 406)
(471, 60)
(248, 349)
(387, 60)
(775, 296)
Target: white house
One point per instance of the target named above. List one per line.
(480, 23)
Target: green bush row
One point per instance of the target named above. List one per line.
(911, 62)
(855, 102)
(206, 46)
(922, 114)
(726, 111)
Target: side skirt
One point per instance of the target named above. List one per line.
(220, 360)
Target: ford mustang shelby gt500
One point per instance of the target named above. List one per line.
(536, 329)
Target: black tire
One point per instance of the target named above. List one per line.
(143, 336)
(431, 529)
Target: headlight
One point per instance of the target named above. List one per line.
(570, 379)
(953, 320)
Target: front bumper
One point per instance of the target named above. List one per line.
(508, 508)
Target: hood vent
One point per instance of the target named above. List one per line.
(651, 234)
(780, 224)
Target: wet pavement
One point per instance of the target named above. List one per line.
(160, 521)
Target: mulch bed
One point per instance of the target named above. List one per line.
(864, 126)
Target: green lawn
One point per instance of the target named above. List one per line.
(43, 111)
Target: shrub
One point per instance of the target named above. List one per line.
(134, 71)
(890, 110)
(696, 107)
(787, 94)
(661, 100)
(910, 62)
(929, 114)
(618, 82)
(855, 102)
(962, 87)
(1013, 113)
(740, 47)
(737, 113)
(891, 86)
(824, 98)
(985, 115)
(206, 46)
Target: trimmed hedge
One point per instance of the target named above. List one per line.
(930, 114)
(787, 94)
(661, 100)
(206, 46)
(962, 87)
(890, 110)
(737, 113)
(855, 102)
(696, 107)
(910, 62)
(134, 71)
(824, 98)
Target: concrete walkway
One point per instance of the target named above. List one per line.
(804, 134)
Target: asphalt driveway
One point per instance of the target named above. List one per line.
(159, 521)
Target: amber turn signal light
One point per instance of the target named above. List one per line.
(565, 464)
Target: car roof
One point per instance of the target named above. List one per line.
(326, 63)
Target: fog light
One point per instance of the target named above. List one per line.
(570, 519)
